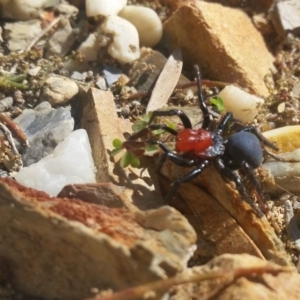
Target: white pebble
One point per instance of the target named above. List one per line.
(104, 7)
(147, 23)
(244, 106)
(71, 162)
(122, 39)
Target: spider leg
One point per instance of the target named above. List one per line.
(149, 128)
(256, 184)
(203, 107)
(185, 178)
(172, 112)
(180, 161)
(227, 173)
(223, 123)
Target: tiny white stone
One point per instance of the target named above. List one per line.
(104, 7)
(244, 106)
(71, 162)
(147, 23)
(124, 39)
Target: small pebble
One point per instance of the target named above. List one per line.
(122, 39)
(104, 7)
(244, 106)
(111, 74)
(147, 23)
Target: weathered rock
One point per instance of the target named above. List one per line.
(285, 16)
(266, 284)
(44, 127)
(204, 31)
(59, 248)
(59, 90)
(20, 34)
(62, 41)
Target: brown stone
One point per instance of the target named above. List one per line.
(223, 41)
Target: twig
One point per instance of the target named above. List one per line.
(15, 128)
(42, 33)
(163, 285)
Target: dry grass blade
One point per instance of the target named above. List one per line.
(166, 81)
(149, 290)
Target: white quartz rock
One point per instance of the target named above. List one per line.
(147, 23)
(244, 106)
(71, 162)
(104, 7)
(121, 37)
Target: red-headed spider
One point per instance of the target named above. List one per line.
(199, 148)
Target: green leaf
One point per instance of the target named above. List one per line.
(117, 143)
(129, 159)
(139, 125)
(151, 150)
(116, 151)
(218, 102)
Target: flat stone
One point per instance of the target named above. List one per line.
(204, 31)
(20, 34)
(44, 127)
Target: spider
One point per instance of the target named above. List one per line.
(199, 148)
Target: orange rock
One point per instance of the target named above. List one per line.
(223, 41)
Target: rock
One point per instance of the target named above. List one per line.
(268, 282)
(6, 103)
(62, 40)
(147, 23)
(111, 74)
(102, 193)
(20, 34)
(121, 39)
(45, 127)
(104, 7)
(204, 32)
(70, 162)
(244, 106)
(24, 9)
(285, 16)
(59, 90)
(83, 245)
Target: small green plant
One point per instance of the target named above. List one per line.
(134, 149)
(218, 102)
(10, 81)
